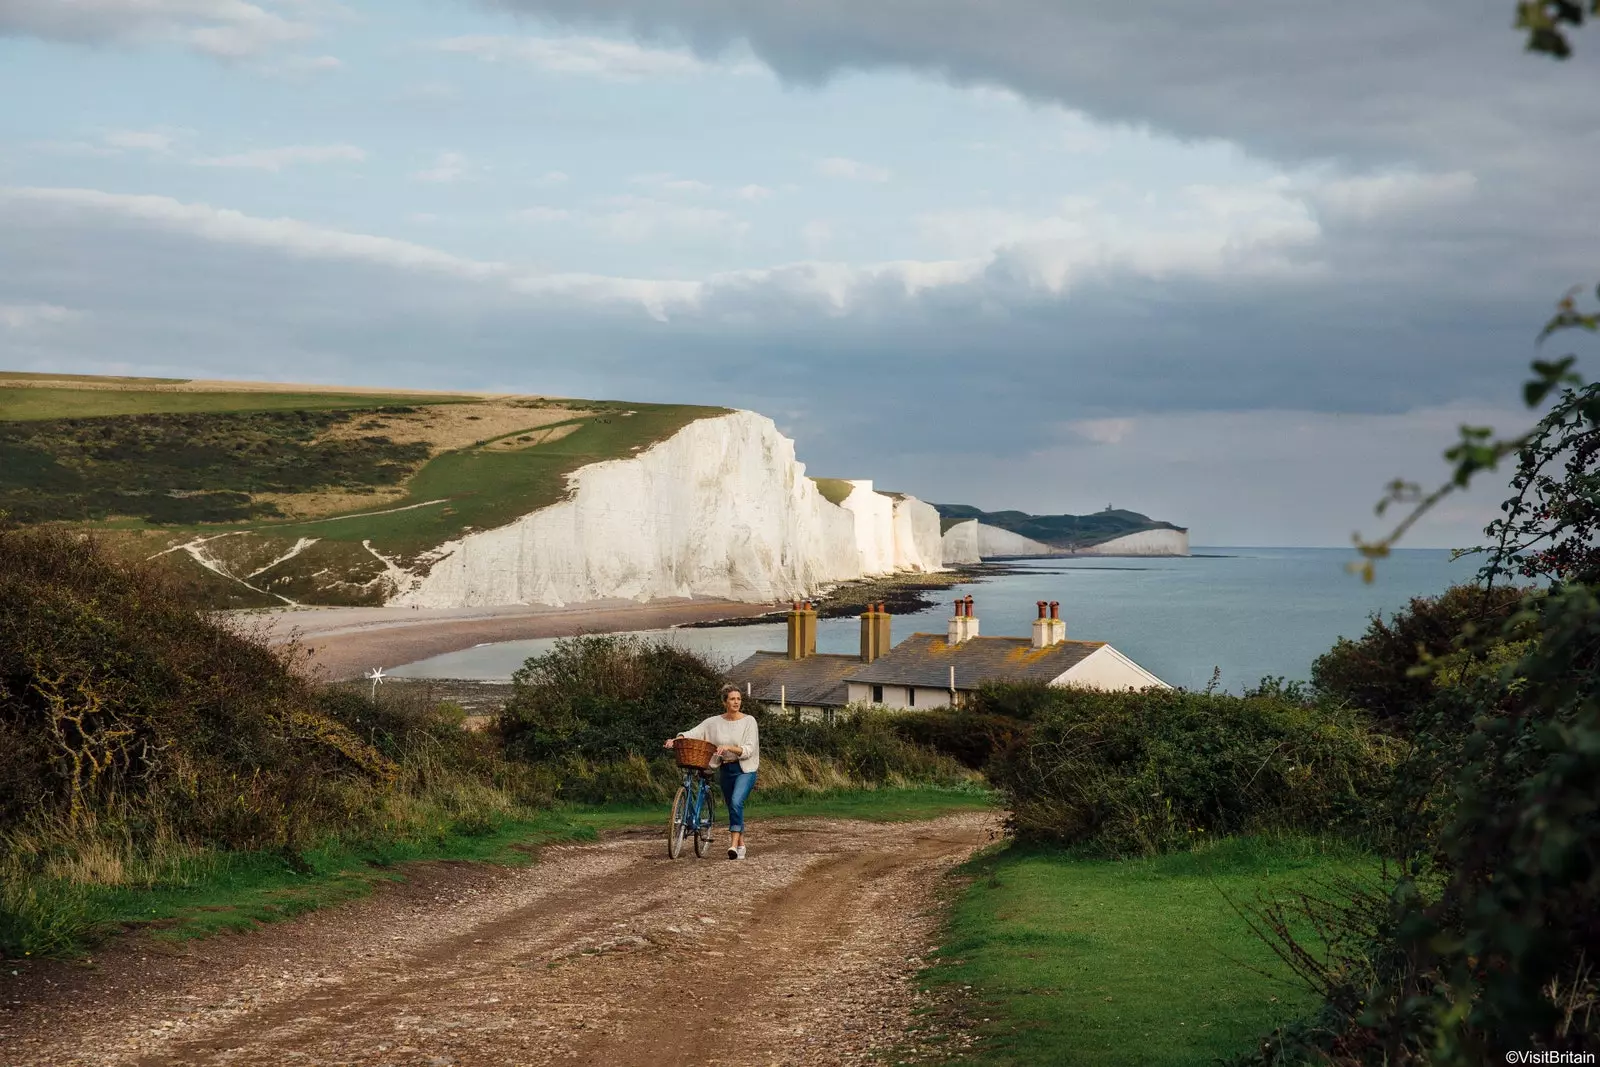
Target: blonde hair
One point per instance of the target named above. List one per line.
(722, 695)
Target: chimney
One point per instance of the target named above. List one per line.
(869, 634)
(963, 624)
(1057, 625)
(883, 624)
(802, 630)
(1041, 627)
(796, 636)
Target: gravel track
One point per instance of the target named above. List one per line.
(604, 953)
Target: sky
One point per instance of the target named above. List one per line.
(1233, 266)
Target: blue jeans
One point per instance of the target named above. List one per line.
(736, 785)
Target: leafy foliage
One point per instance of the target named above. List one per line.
(594, 710)
(1139, 773)
(1383, 671)
(1485, 942)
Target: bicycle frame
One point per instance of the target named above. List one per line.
(696, 816)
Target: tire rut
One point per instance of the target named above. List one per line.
(605, 953)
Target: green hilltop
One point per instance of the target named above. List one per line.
(1058, 531)
(372, 476)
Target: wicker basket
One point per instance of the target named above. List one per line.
(693, 752)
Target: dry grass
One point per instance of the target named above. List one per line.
(448, 427)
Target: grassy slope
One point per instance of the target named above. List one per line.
(484, 489)
(49, 403)
(1139, 962)
(472, 487)
(236, 891)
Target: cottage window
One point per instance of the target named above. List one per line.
(877, 694)
(911, 696)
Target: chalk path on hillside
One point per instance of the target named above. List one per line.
(603, 953)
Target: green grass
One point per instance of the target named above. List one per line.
(41, 376)
(483, 489)
(834, 490)
(234, 891)
(24, 404)
(1074, 961)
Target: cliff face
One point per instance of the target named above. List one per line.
(973, 541)
(993, 541)
(917, 544)
(1144, 543)
(960, 543)
(720, 509)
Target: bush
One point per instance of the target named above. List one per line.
(1379, 671)
(594, 711)
(1136, 773)
(605, 698)
(137, 734)
(116, 700)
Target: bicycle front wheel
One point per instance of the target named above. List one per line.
(708, 820)
(679, 825)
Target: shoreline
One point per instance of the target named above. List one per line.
(339, 644)
(343, 643)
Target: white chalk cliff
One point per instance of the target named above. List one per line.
(973, 541)
(1143, 543)
(720, 509)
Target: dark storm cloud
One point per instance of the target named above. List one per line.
(1437, 80)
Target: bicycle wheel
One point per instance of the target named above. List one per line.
(708, 820)
(678, 825)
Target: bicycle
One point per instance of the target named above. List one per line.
(694, 808)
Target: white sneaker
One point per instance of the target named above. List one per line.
(739, 852)
(733, 853)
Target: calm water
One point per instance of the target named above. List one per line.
(1252, 612)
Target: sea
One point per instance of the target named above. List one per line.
(1242, 613)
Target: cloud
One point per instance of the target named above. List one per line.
(226, 227)
(30, 317)
(853, 170)
(1366, 198)
(140, 140)
(449, 167)
(597, 57)
(542, 214)
(277, 159)
(1432, 81)
(224, 29)
(554, 177)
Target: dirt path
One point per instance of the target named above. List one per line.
(606, 953)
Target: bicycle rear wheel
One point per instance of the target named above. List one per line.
(708, 820)
(678, 826)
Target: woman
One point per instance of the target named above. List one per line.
(737, 740)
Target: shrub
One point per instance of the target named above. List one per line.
(1378, 672)
(594, 710)
(1135, 773)
(116, 699)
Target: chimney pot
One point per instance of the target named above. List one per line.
(969, 603)
(1040, 605)
(1055, 609)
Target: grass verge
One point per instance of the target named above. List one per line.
(212, 892)
(1055, 959)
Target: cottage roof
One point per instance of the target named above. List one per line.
(926, 659)
(817, 680)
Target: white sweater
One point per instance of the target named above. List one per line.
(741, 733)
